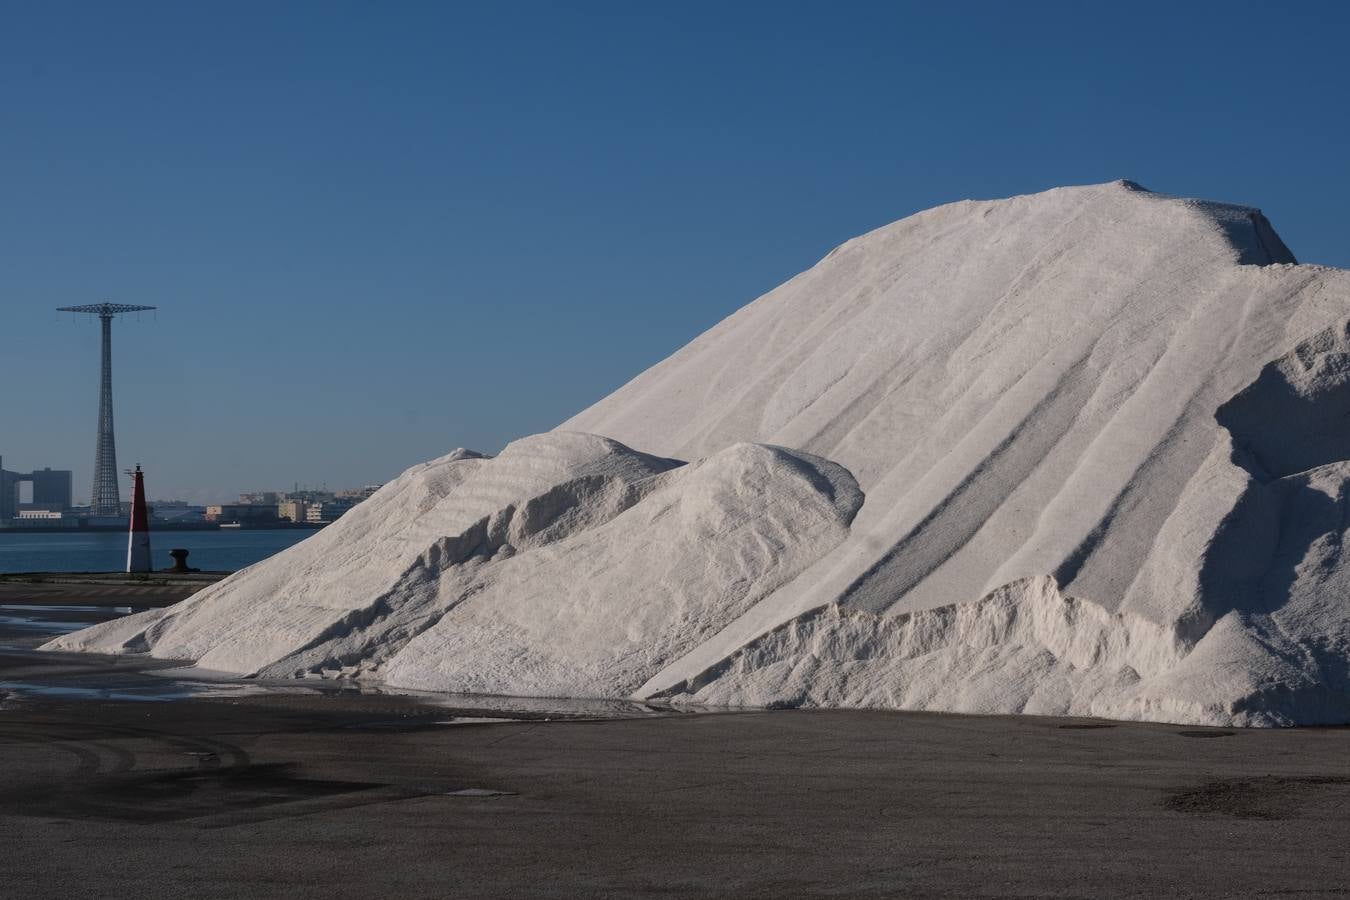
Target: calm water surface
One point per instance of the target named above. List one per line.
(107, 551)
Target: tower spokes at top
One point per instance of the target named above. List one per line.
(105, 309)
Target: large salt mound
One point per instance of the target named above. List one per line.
(598, 614)
(1098, 430)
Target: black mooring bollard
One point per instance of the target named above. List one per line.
(179, 560)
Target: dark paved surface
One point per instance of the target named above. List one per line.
(101, 590)
(246, 790)
(342, 795)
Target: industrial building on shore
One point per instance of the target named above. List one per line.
(51, 493)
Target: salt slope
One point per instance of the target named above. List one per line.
(570, 565)
(1059, 516)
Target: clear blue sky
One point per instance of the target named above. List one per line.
(380, 231)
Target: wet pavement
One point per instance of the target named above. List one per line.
(28, 675)
(24, 623)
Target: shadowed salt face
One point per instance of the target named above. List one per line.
(1086, 493)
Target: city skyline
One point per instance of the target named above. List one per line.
(34, 492)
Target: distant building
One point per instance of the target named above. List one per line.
(309, 496)
(178, 511)
(42, 514)
(118, 521)
(51, 491)
(52, 488)
(9, 492)
(317, 507)
(293, 510)
(321, 513)
(243, 513)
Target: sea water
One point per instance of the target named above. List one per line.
(106, 551)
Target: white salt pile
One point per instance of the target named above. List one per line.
(1103, 438)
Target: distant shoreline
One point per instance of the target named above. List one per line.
(159, 527)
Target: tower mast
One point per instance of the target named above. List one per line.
(105, 500)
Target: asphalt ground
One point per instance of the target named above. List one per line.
(100, 590)
(113, 785)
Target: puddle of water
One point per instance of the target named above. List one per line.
(539, 708)
(51, 626)
(54, 607)
(56, 619)
(159, 692)
(26, 626)
(413, 723)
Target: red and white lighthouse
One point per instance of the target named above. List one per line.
(138, 542)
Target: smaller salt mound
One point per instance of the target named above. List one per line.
(598, 614)
(1027, 648)
(1023, 648)
(570, 565)
(435, 516)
